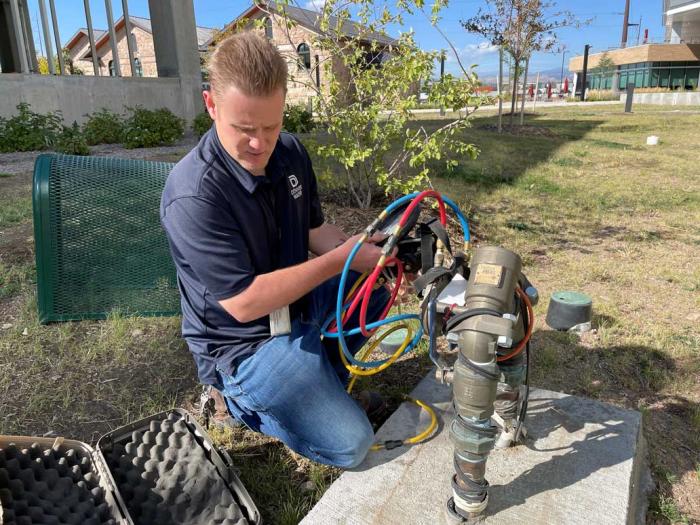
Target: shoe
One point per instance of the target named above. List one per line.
(374, 405)
(214, 410)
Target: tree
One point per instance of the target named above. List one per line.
(70, 68)
(605, 67)
(370, 85)
(521, 28)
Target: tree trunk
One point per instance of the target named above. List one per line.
(514, 93)
(500, 89)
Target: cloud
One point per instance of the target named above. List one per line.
(314, 5)
(474, 51)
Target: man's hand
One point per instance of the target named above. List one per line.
(368, 255)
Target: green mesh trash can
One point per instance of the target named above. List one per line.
(100, 247)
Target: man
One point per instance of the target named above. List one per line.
(241, 213)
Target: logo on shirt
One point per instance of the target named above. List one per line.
(295, 186)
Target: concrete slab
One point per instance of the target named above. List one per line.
(582, 463)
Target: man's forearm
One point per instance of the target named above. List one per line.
(273, 290)
(326, 237)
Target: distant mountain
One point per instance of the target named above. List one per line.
(548, 75)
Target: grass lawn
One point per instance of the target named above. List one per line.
(578, 194)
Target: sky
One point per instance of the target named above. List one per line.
(602, 32)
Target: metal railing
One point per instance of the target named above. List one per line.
(24, 40)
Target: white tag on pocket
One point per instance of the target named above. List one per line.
(279, 322)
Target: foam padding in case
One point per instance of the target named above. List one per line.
(53, 482)
(167, 472)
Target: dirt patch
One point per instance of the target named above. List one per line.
(350, 220)
(17, 244)
(16, 183)
(23, 161)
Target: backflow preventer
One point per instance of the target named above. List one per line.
(489, 320)
(490, 331)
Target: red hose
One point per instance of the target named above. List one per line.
(372, 278)
(355, 300)
(414, 203)
(367, 293)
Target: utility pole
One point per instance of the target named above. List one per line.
(625, 23)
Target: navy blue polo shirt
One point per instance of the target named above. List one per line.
(225, 226)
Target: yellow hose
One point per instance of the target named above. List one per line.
(356, 371)
(418, 437)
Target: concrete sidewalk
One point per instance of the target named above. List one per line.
(541, 105)
(582, 463)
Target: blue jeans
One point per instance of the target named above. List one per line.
(293, 387)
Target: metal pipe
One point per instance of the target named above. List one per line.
(47, 37)
(59, 49)
(113, 39)
(91, 37)
(19, 37)
(41, 42)
(492, 280)
(129, 43)
(28, 39)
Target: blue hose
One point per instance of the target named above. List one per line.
(341, 308)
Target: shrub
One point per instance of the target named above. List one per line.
(594, 95)
(201, 124)
(146, 128)
(104, 127)
(28, 130)
(72, 141)
(297, 119)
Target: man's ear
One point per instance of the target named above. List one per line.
(209, 103)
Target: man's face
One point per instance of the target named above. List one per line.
(248, 126)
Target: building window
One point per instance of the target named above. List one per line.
(373, 59)
(304, 56)
(138, 68)
(134, 45)
(111, 69)
(268, 27)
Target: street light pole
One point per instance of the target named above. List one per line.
(586, 48)
(563, 54)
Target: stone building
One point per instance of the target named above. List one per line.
(78, 47)
(305, 61)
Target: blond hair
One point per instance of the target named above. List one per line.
(249, 62)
